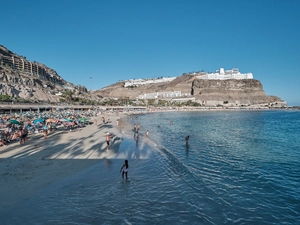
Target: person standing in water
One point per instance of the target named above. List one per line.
(125, 169)
(187, 140)
(137, 137)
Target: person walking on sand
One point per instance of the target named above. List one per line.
(125, 169)
(187, 140)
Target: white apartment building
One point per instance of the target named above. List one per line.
(139, 82)
(225, 75)
(166, 94)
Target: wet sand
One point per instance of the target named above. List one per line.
(27, 169)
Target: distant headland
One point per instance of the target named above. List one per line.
(25, 81)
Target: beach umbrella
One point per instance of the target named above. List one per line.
(83, 120)
(15, 122)
(50, 120)
(39, 120)
(69, 120)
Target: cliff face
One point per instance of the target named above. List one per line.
(243, 91)
(27, 87)
(28, 80)
(206, 92)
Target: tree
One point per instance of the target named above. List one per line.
(151, 101)
(68, 95)
(5, 98)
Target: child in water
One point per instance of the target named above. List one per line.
(125, 169)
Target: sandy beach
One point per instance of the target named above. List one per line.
(26, 169)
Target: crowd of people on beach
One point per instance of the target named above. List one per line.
(13, 134)
(17, 127)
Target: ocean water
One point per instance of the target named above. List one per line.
(240, 167)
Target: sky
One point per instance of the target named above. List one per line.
(96, 43)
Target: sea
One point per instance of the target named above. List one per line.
(239, 167)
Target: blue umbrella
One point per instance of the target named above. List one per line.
(39, 120)
(15, 122)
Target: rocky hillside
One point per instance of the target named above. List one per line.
(205, 92)
(243, 92)
(117, 90)
(20, 78)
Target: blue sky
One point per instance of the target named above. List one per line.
(118, 40)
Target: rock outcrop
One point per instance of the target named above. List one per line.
(206, 92)
(242, 92)
(20, 78)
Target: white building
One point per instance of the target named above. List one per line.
(165, 94)
(225, 75)
(139, 82)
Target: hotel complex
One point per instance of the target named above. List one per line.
(31, 68)
(220, 74)
(139, 82)
(165, 94)
(224, 75)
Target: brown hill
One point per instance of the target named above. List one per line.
(206, 92)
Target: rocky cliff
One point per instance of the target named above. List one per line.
(20, 78)
(243, 92)
(205, 92)
(17, 84)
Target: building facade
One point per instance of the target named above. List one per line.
(165, 94)
(139, 82)
(31, 68)
(224, 75)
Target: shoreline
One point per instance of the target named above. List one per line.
(27, 169)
